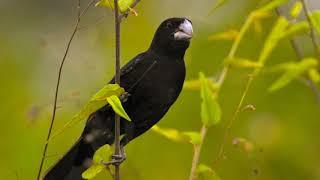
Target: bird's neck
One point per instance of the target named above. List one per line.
(176, 51)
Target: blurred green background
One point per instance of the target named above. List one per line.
(33, 37)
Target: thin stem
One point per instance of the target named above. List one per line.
(234, 48)
(196, 154)
(299, 53)
(117, 22)
(79, 15)
(231, 121)
(313, 31)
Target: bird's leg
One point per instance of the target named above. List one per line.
(117, 159)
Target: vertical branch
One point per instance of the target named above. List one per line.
(196, 154)
(313, 31)
(75, 29)
(117, 80)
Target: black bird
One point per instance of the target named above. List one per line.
(153, 80)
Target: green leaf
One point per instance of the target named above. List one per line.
(177, 136)
(206, 172)
(296, 29)
(96, 102)
(218, 4)
(243, 63)
(193, 137)
(210, 109)
(231, 34)
(293, 72)
(102, 154)
(93, 171)
(195, 85)
(272, 5)
(116, 105)
(315, 18)
(272, 40)
(314, 75)
(296, 9)
(124, 5)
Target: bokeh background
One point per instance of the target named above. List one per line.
(33, 37)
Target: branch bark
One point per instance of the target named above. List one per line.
(313, 31)
(196, 154)
(117, 22)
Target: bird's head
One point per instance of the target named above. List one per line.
(173, 36)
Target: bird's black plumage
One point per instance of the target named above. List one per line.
(153, 79)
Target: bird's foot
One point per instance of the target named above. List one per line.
(117, 159)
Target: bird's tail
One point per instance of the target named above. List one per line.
(71, 164)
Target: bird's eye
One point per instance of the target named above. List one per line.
(169, 25)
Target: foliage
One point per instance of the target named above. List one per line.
(108, 94)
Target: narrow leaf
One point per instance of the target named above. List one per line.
(272, 5)
(116, 105)
(177, 136)
(296, 29)
(93, 171)
(293, 73)
(314, 75)
(195, 85)
(272, 40)
(231, 34)
(296, 9)
(218, 4)
(243, 63)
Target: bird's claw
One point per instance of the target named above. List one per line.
(117, 159)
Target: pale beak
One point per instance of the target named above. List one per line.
(185, 31)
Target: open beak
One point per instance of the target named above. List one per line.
(185, 31)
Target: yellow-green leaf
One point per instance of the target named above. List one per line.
(243, 63)
(124, 5)
(231, 34)
(218, 4)
(207, 172)
(210, 108)
(116, 105)
(193, 137)
(96, 102)
(296, 29)
(272, 40)
(315, 18)
(177, 136)
(314, 75)
(195, 85)
(296, 9)
(272, 5)
(93, 171)
(293, 72)
(102, 154)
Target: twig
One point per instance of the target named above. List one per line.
(80, 14)
(196, 154)
(231, 121)
(313, 31)
(117, 80)
(297, 49)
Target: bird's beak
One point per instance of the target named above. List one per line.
(185, 31)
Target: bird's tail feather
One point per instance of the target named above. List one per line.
(69, 167)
